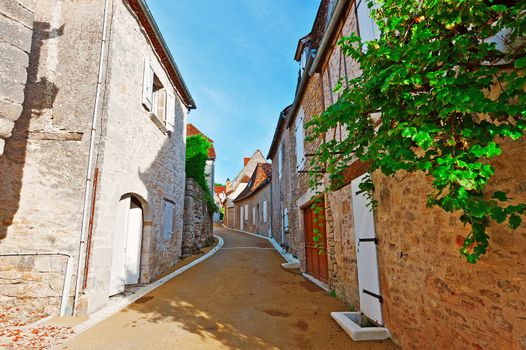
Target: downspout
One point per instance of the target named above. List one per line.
(67, 276)
(86, 206)
(271, 211)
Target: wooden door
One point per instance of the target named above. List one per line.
(317, 265)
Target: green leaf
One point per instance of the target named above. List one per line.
(520, 63)
(515, 221)
(501, 196)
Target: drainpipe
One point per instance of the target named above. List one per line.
(86, 207)
(67, 275)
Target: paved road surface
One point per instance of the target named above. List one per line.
(240, 298)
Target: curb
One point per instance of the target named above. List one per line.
(106, 312)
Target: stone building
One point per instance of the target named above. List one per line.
(192, 130)
(198, 225)
(94, 169)
(235, 187)
(252, 205)
(16, 31)
(425, 293)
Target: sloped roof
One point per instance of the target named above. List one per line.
(191, 130)
(261, 176)
(219, 189)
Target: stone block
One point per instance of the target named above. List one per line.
(2, 145)
(13, 54)
(10, 90)
(6, 127)
(13, 10)
(13, 72)
(15, 33)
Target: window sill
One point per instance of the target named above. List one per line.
(158, 122)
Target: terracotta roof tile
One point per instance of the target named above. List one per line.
(191, 130)
(260, 177)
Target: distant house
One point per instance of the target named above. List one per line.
(219, 199)
(191, 130)
(252, 205)
(92, 176)
(235, 187)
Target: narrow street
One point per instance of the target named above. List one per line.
(240, 298)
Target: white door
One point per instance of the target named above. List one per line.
(242, 219)
(132, 263)
(118, 275)
(365, 235)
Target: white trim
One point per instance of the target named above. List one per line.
(110, 310)
(316, 282)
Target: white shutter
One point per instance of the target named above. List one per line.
(168, 220)
(285, 219)
(265, 214)
(368, 28)
(246, 211)
(300, 140)
(170, 112)
(254, 216)
(147, 86)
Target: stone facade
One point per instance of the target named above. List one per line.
(46, 160)
(431, 295)
(197, 232)
(16, 31)
(255, 204)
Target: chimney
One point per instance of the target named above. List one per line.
(227, 185)
(245, 161)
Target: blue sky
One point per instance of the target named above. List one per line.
(237, 58)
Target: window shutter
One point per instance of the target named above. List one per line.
(254, 216)
(300, 153)
(265, 211)
(147, 86)
(280, 160)
(168, 220)
(246, 211)
(170, 112)
(368, 28)
(285, 219)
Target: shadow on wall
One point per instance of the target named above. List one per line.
(39, 95)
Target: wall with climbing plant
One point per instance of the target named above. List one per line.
(437, 112)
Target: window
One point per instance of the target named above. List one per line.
(169, 209)
(246, 211)
(157, 100)
(253, 216)
(265, 214)
(304, 58)
(285, 219)
(366, 25)
(300, 140)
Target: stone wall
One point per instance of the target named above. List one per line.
(426, 283)
(197, 231)
(16, 31)
(137, 158)
(256, 201)
(43, 169)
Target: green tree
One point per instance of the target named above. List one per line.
(435, 95)
(196, 156)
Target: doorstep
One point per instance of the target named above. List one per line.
(350, 322)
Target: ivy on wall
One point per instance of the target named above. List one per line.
(196, 156)
(435, 95)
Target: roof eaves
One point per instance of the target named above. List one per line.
(190, 103)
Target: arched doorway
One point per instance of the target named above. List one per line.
(127, 243)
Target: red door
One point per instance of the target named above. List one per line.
(317, 265)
